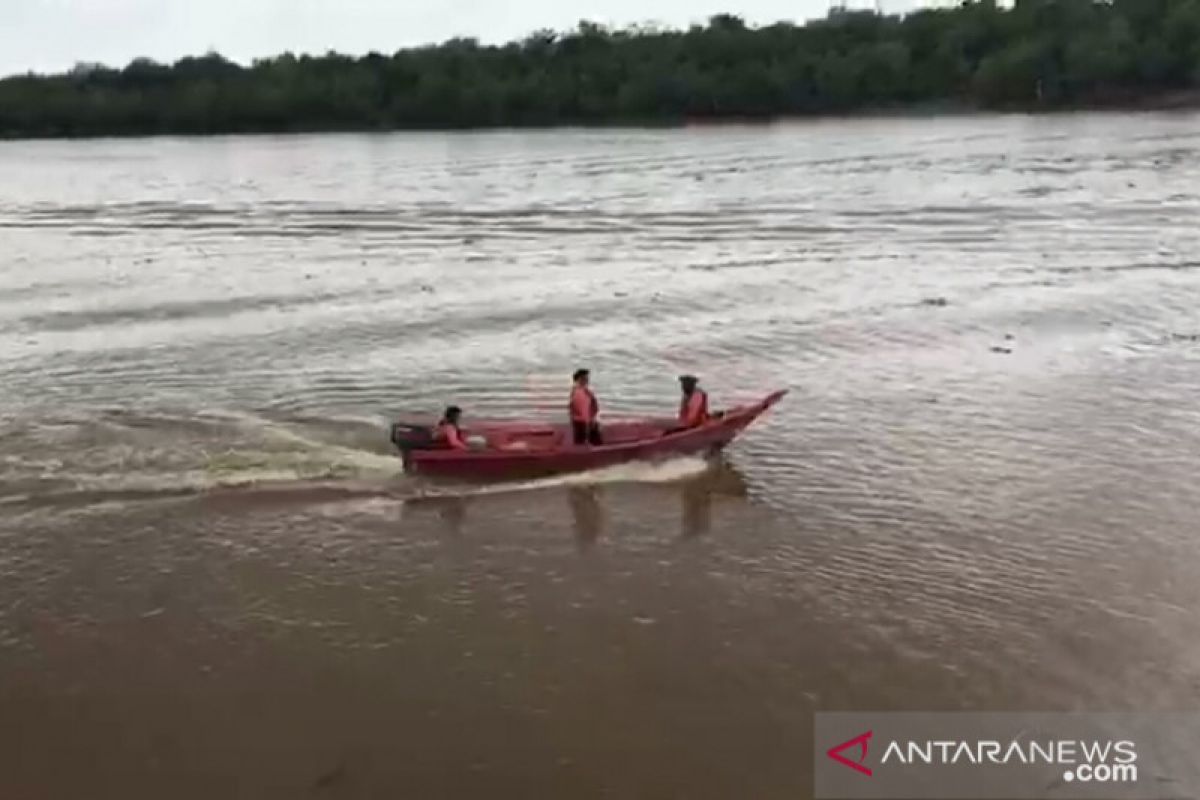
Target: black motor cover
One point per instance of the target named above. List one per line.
(408, 436)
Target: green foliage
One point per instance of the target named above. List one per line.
(1036, 54)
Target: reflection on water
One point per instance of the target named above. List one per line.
(698, 496)
(586, 513)
(449, 510)
(696, 518)
(587, 502)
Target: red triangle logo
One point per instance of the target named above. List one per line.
(859, 741)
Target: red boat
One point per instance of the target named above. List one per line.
(503, 450)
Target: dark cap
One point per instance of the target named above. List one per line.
(688, 380)
(453, 411)
(580, 373)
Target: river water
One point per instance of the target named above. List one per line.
(980, 492)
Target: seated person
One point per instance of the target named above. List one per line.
(447, 433)
(693, 405)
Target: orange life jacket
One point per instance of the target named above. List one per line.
(583, 406)
(448, 434)
(693, 409)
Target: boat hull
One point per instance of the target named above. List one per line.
(524, 450)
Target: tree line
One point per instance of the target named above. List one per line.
(1036, 54)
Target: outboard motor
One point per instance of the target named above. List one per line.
(408, 436)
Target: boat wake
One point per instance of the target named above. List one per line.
(122, 458)
(118, 456)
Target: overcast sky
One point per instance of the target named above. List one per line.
(55, 34)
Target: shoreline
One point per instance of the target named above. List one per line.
(1181, 101)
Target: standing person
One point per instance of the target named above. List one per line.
(447, 433)
(693, 405)
(583, 409)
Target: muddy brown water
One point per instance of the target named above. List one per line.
(979, 494)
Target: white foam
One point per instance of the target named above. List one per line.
(339, 457)
(669, 471)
